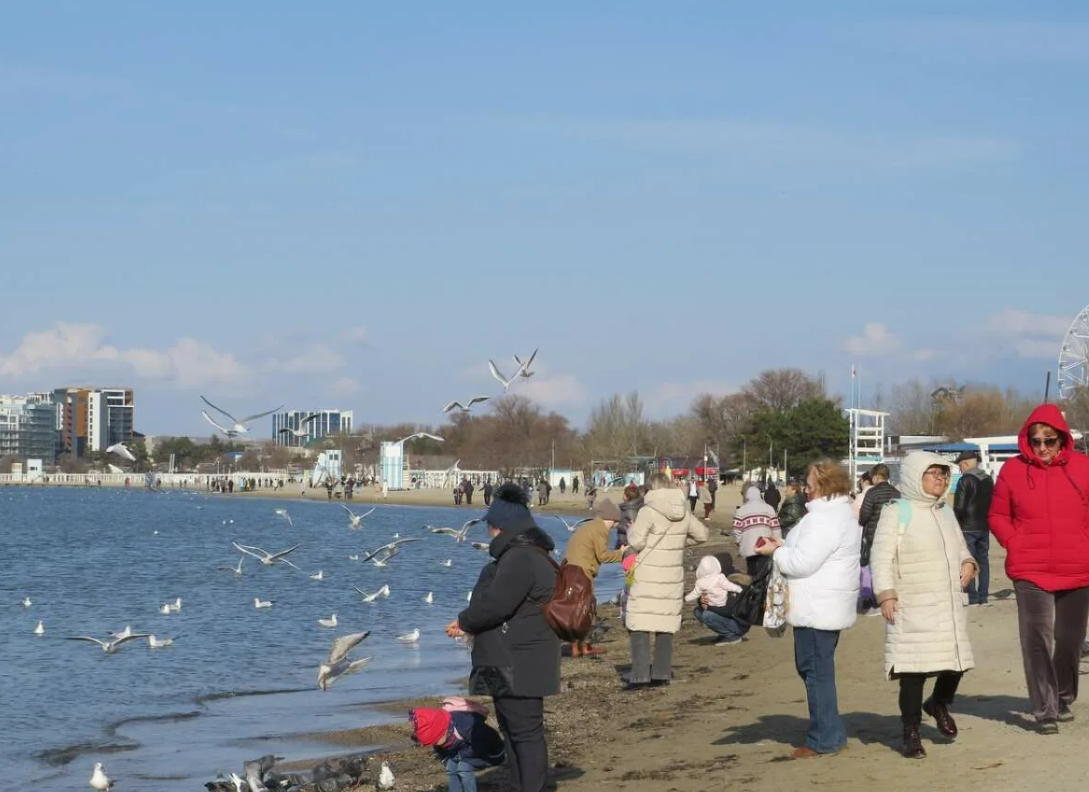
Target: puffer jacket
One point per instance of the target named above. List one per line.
(515, 652)
(972, 500)
(1040, 514)
(819, 561)
(918, 565)
(791, 512)
(663, 528)
(873, 502)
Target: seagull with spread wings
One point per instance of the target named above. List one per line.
(299, 431)
(523, 368)
(265, 557)
(506, 383)
(459, 534)
(112, 645)
(122, 451)
(574, 525)
(467, 407)
(337, 664)
(239, 427)
(383, 554)
(356, 520)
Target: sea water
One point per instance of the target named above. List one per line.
(238, 682)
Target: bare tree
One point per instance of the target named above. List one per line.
(911, 409)
(617, 429)
(776, 390)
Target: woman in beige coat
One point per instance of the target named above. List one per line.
(661, 531)
(921, 566)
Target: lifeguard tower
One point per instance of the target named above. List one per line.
(867, 440)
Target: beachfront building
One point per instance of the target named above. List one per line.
(327, 422)
(28, 429)
(92, 419)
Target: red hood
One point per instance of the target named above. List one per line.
(1046, 414)
(429, 726)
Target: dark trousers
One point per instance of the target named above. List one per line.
(815, 660)
(642, 671)
(692, 503)
(911, 693)
(979, 545)
(1052, 627)
(522, 722)
(487, 499)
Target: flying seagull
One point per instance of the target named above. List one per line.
(574, 525)
(121, 450)
(506, 383)
(239, 427)
(460, 534)
(283, 513)
(300, 432)
(467, 407)
(523, 368)
(265, 557)
(112, 645)
(337, 663)
(382, 592)
(356, 520)
(236, 569)
(383, 554)
(480, 545)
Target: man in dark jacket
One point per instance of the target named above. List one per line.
(487, 493)
(516, 655)
(771, 494)
(873, 502)
(971, 504)
(793, 507)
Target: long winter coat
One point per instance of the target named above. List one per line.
(819, 561)
(918, 565)
(515, 652)
(1040, 514)
(661, 531)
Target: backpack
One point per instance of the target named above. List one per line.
(572, 609)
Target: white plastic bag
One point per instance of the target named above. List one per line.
(776, 604)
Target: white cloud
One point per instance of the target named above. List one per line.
(560, 389)
(345, 386)
(876, 339)
(317, 359)
(1028, 335)
(356, 335)
(67, 346)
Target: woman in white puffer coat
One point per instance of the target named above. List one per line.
(921, 566)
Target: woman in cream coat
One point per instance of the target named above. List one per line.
(661, 531)
(920, 568)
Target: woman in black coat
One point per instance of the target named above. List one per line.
(516, 656)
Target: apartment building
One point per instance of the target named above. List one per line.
(92, 419)
(28, 428)
(327, 422)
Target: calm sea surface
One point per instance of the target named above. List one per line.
(239, 682)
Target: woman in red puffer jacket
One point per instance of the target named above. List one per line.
(1040, 514)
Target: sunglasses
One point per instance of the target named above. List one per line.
(1040, 442)
(944, 474)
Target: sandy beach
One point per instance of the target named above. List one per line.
(733, 713)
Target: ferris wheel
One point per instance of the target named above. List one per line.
(1074, 357)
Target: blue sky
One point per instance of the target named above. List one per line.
(357, 204)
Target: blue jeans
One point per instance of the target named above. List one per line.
(979, 545)
(460, 776)
(722, 625)
(815, 659)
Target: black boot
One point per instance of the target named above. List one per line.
(940, 713)
(913, 743)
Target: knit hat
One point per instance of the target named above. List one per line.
(429, 726)
(509, 511)
(607, 510)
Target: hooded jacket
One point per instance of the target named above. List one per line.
(662, 529)
(754, 520)
(711, 581)
(515, 652)
(1040, 513)
(819, 561)
(588, 547)
(918, 564)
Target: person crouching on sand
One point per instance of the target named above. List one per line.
(712, 590)
(461, 739)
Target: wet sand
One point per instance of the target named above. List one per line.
(733, 713)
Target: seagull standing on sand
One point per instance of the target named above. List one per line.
(337, 663)
(239, 427)
(385, 777)
(99, 779)
(356, 520)
(382, 592)
(523, 368)
(467, 407)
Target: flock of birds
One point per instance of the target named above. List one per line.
(523, 372)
